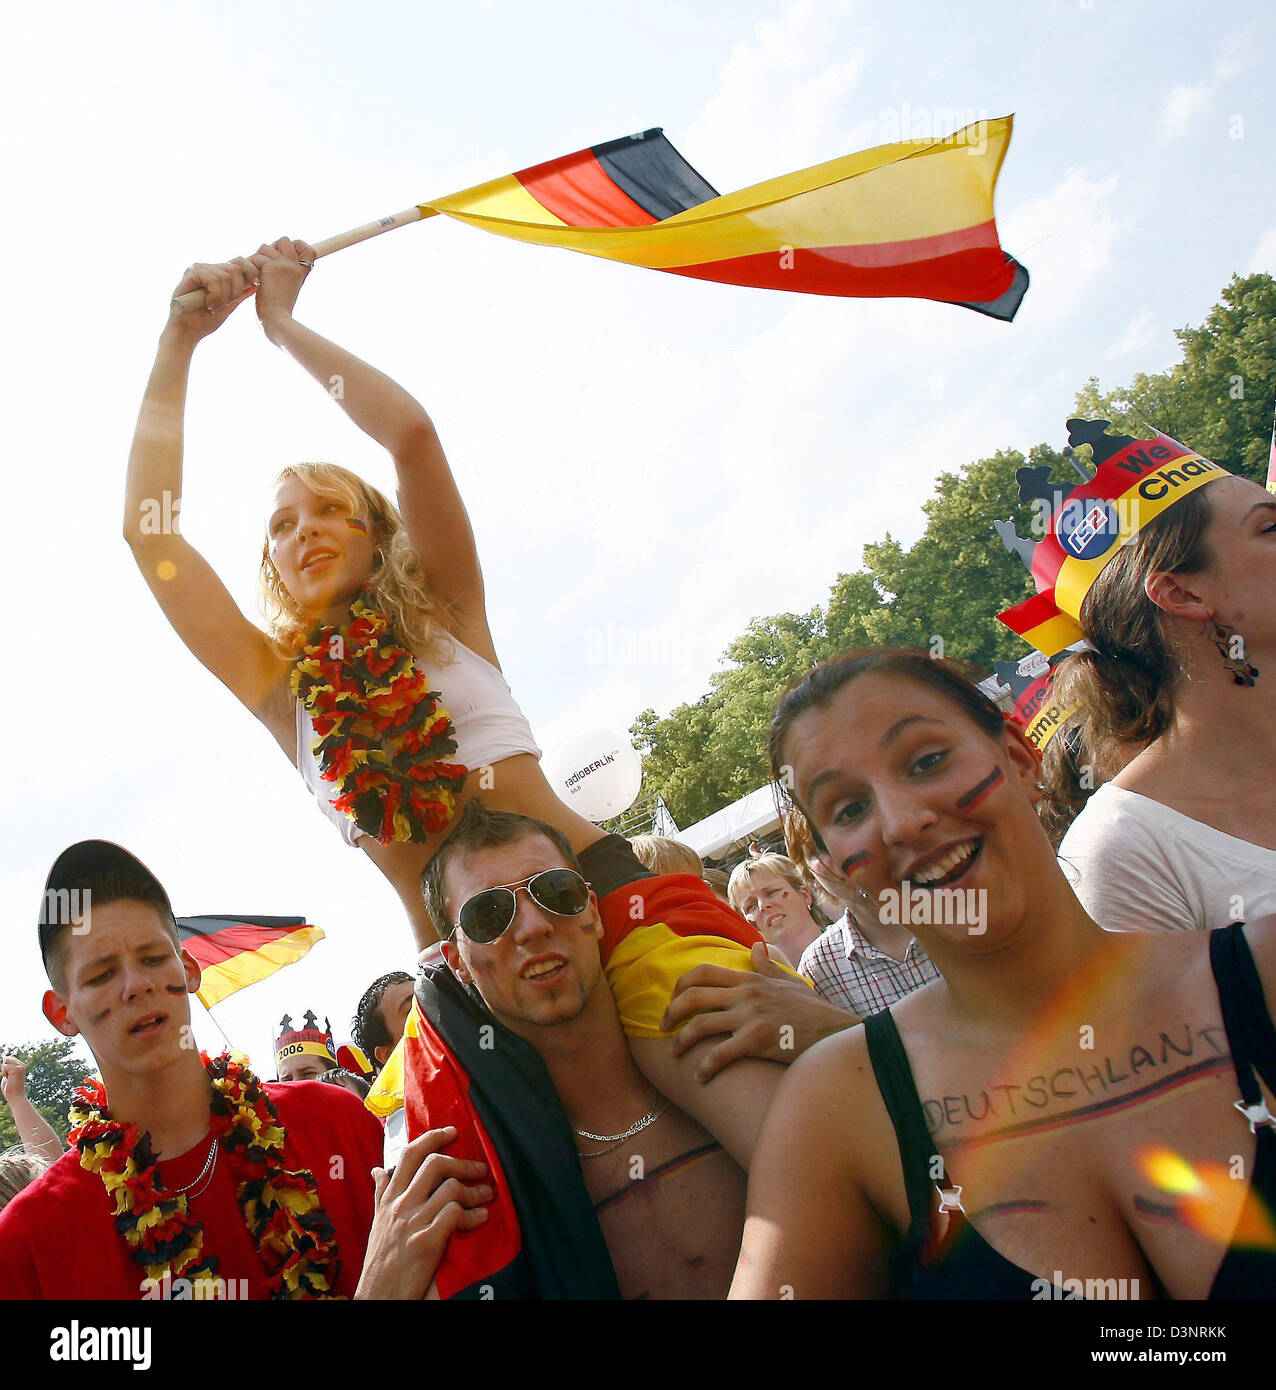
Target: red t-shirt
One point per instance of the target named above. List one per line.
(58, 1239)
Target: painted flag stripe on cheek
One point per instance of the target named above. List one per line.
(969, 800)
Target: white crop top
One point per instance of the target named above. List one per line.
(489, 726)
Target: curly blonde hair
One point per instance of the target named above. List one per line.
(397, 580)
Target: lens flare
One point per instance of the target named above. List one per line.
(1206, 1198)
(1171, 1173)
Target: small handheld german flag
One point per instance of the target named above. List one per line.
(913, 219)
(234, 952)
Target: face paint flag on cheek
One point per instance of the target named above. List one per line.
(969, 800)
(355, 524)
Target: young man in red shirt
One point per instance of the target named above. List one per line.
(188, 1179)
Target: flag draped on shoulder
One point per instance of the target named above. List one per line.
(461, 1067)
(234, 952)
(912, 219)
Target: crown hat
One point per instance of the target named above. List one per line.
(307, 1040)
(1036, 710)
(1133, 482)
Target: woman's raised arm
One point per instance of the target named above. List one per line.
(194, 600)
(432, 508)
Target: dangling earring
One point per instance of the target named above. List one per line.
(1226, 640)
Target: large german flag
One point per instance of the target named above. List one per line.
(913, 219)
(234, 952)
(461, 1067)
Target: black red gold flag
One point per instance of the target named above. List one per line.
(234, 952)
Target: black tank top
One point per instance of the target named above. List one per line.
(962, 1265)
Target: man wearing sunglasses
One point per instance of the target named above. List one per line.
(564, 1117)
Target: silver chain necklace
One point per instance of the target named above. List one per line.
(205, 1174)
(614, 1141)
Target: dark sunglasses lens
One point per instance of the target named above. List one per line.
(560, 891)
(487, 914)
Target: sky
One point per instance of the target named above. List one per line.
(650, 462)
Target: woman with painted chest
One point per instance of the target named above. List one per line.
(1066, 1108)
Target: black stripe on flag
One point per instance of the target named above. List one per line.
(209, 924)
(653, 174)
(1005, 306)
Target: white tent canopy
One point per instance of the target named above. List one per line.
(742, 821)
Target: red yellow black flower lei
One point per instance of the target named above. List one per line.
(294, 1237)
(383, 736)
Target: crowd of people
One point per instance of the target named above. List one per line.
(1002, 1003)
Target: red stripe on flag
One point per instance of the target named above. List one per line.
(231, 941)
(577, 189)
(975, 276)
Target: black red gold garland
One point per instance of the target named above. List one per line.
(294, 1237)
(383, 736)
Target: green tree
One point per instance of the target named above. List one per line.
(54, 1070)
(726, 729)
(955, 580)
(1219, 398)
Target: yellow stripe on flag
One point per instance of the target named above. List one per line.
(1054, 635)
(504, 199)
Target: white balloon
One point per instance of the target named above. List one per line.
(598, 774)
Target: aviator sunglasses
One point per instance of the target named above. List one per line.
(487, 915)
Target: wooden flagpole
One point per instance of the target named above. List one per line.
(194, 299)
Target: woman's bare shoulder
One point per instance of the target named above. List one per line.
(836, 1076)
